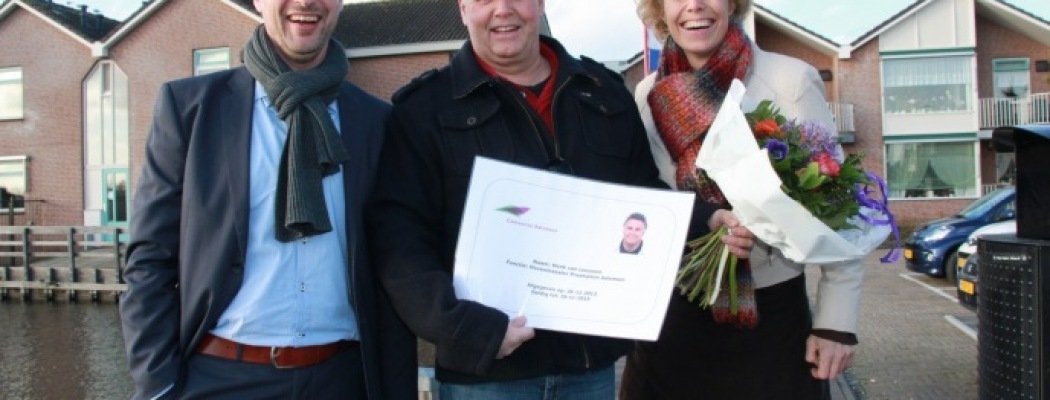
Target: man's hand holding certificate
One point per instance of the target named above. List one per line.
(571, 254)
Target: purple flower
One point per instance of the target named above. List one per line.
(777, 149)
(817, 139)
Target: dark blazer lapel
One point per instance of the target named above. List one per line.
(236, 109)
(352, 168)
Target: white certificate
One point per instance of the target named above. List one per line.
(570, 254)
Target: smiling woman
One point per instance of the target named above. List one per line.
(762, 342)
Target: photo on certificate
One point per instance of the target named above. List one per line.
(633, 233)
(570, 254)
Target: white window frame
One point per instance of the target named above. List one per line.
(17, 81)
(1012, 66)
(916, 76)
(201, 67)
(976, 169)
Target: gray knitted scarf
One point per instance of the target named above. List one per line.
(313, 148)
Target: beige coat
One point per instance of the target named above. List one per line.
(796, 88)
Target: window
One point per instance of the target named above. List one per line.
(1012, 83)
(927, 85)
(932, 169)
(11, 93)
(206, 61)
(12, 181)
(106, 133)
(107, 118)
(1010, 76)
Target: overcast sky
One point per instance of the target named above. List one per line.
(609, 30)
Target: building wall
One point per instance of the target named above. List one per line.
(53, 66)
(987, 162)
(860, 85)
(942, 24)
(382, 76)
(161, 49)
(996, 41)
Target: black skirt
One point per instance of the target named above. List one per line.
(696, 358)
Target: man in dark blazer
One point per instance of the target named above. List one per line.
(247, 272)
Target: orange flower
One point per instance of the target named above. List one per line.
(768, 127)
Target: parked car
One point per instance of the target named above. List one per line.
(966, 289)
(967, 260)
(930, 249)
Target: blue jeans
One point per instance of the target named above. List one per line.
(598, 384)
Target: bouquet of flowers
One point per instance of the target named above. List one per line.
(790, 185)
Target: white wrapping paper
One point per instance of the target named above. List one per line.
(731, 156)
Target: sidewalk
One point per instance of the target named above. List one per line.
(909, 347)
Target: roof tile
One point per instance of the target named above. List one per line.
(393, 22)
(86, 23)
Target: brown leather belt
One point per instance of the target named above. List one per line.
(279, 357)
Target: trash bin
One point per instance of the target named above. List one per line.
(1031, 147)
(1013, 328)
(1013, 318)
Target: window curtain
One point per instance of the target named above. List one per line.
(925, 85)
(1004, 167)
(953, 163)
(926, 71)
(1011, 84)
(13, 176)
(925, 169)
(11, 93)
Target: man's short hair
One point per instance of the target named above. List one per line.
(637, 217)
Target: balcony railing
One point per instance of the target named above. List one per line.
(991, 187)
(1034, 109)
(843, 113)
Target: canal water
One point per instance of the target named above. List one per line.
(62, 351)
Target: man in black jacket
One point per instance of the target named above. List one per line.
(514, 96)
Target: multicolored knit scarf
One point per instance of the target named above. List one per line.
(684, 103)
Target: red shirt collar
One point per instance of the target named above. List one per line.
(541, 103)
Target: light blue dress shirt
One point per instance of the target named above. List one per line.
(295, 293)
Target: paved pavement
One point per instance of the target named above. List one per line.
(916, 341)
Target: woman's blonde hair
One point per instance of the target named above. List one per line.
(652, 14)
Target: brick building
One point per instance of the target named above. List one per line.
(45, 49)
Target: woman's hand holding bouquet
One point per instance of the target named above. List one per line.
(790, 185)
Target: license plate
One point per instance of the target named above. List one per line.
(966, 287)
(908, 254)
(962, 262)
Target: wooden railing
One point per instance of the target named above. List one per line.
(843, 113)
(996, 112)
(69, 258)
